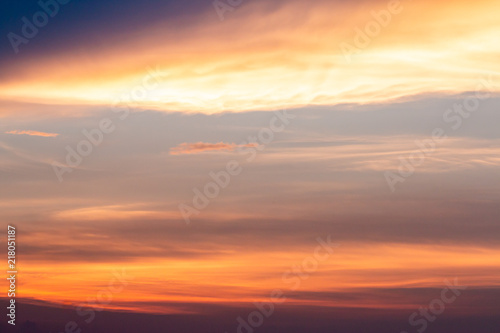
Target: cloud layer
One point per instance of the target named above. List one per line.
(296, 58)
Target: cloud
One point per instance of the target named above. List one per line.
(200, 147)
(266, 52)
(33, 133)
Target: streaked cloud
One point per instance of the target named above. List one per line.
(33, 133)
(200, 147)
(227, 274)
(247, 66)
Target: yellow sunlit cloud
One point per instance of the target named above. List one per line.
(237, 65)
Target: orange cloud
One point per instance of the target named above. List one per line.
(200, 147)
(233, 278)
(33, 133)
(426, 48)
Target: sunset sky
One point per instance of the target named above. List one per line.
(371, 125)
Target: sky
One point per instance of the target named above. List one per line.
(175, 163)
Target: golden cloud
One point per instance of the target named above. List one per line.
(304, 54)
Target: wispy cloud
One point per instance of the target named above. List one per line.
(229, 77)
(200, 147)
(33, 133)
